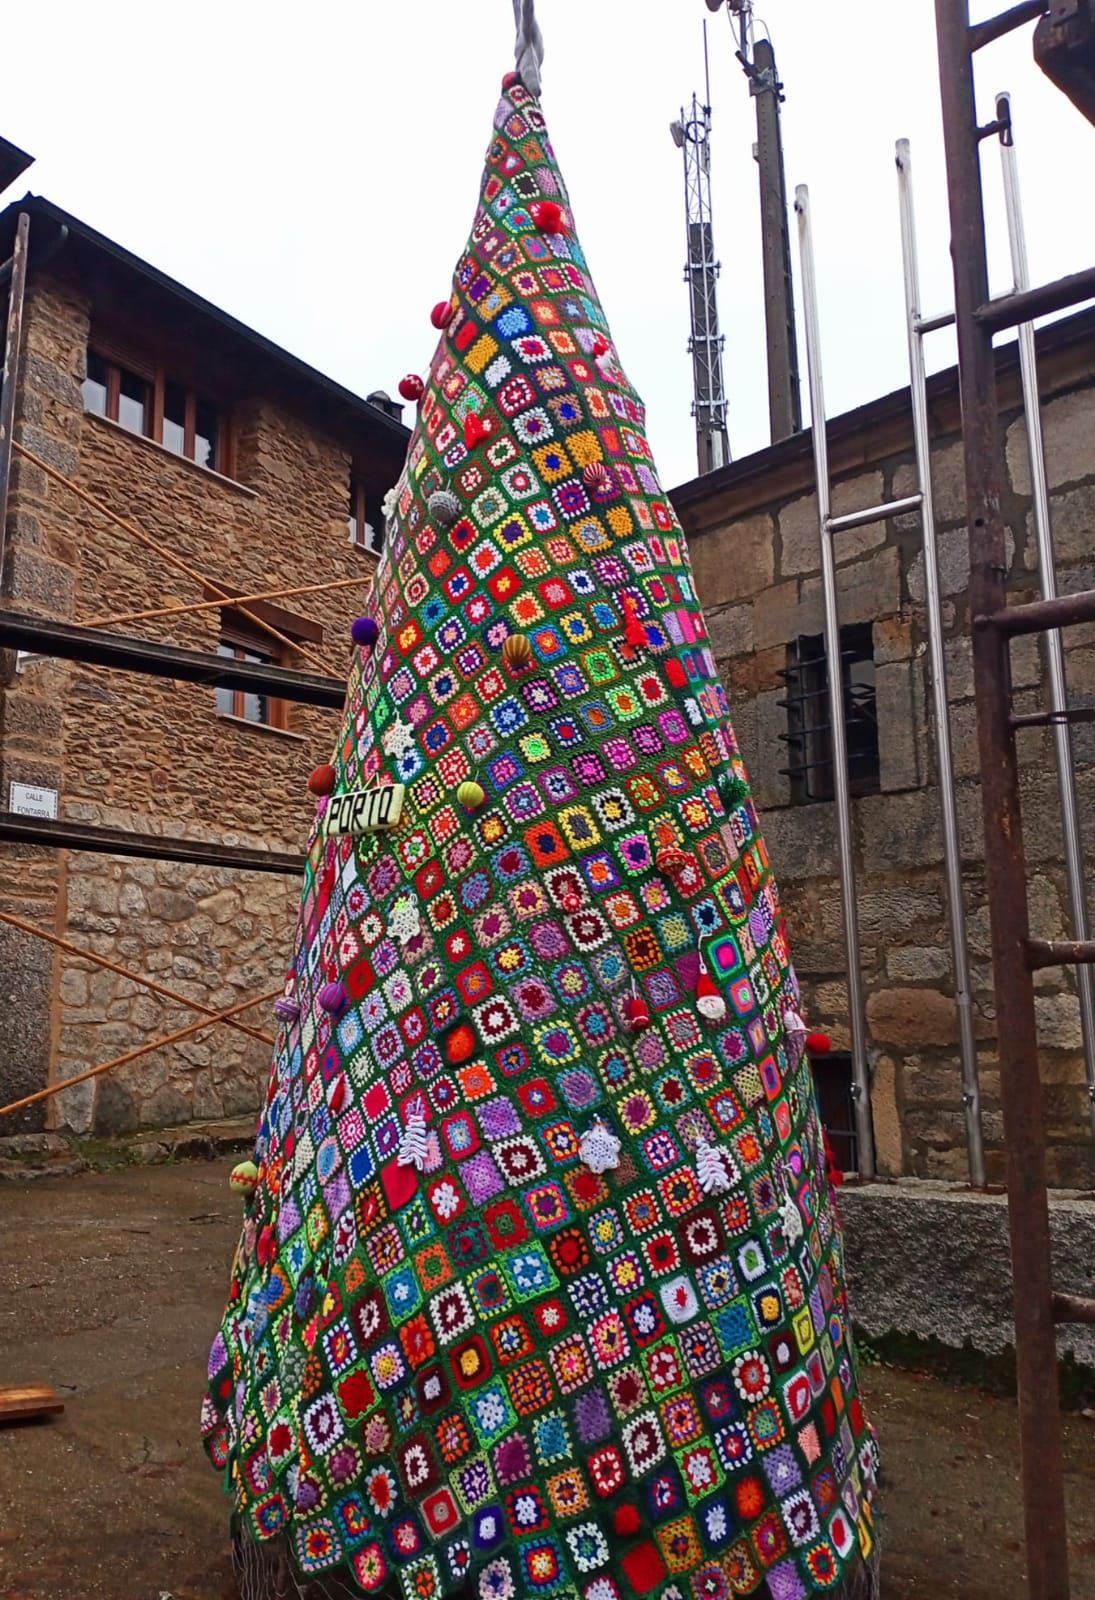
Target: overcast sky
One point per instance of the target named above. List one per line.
(314, 169)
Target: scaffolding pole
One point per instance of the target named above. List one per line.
(861, 1075)
(952, 854)
(1047, 567)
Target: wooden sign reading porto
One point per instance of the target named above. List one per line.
(364, 810)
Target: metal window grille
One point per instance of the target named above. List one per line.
(809, 737)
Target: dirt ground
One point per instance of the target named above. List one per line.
(110, 1288)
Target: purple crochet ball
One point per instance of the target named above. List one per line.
(364, 631)
(333, 997)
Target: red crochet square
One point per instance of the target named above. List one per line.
(643, 1567)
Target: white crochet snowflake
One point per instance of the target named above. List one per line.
(405, 920)
(599, 1148)
(398, 739)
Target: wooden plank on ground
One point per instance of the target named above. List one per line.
(22, 1405)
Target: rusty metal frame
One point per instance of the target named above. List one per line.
(1015, 956)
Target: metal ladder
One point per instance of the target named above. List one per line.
(829, 527)
(1015, 955)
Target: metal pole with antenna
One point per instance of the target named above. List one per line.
(758, 61)
(784, 396)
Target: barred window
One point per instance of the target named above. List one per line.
(809, 736)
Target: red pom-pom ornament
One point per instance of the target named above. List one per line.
(411, 387)
(626, 1521)
(322, 780)
(442, 313)
(460, 1044)
(510, 81)
(547, 215)
(818, 1044)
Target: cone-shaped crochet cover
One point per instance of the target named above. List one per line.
(540, 1288)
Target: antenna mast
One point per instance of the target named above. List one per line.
(692, 135)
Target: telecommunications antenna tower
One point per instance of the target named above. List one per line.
(692, 135)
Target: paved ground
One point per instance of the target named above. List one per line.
(110, 1287)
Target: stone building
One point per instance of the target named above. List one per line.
(262, 475)
(754, 540)
(249, 465)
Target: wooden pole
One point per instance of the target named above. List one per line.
(131, 1055)
(211, 605)
(145, 983)
(168, 555)
(9, 375)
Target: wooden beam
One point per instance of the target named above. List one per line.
(364, 582)
(132, 977)
(68, 642)
(9, 373)
(208, 586)
(147, 846)
(27, 1403)
(132, 1055)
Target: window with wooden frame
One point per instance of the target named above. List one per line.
(243, 641)
(143, 397)
(366, 520)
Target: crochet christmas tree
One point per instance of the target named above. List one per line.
(540, 1286)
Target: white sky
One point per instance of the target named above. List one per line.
(314, 169)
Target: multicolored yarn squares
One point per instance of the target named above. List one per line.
(539, 1290)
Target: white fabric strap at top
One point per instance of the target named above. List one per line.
(530, 44)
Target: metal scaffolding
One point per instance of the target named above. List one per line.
(1016, 310)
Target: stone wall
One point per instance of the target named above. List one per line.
(755, 547)
(151, 755)
(902, 1236)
